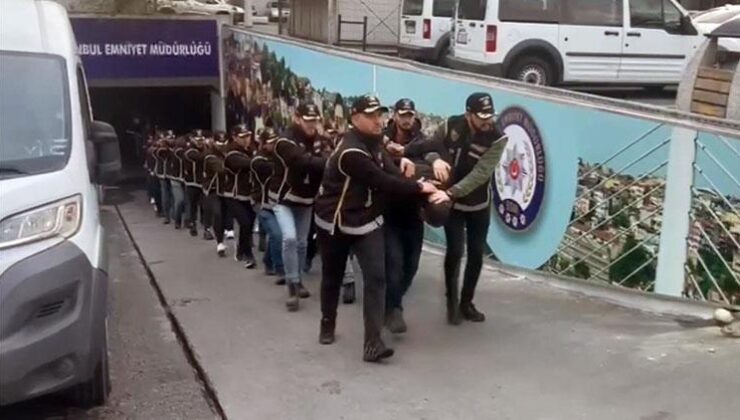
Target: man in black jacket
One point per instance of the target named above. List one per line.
(404, 228)
(237, 160)
(293, 187)
(349, 215)
(456, 149)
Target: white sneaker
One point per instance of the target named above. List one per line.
(152, 201)
(221, 250)
(229, 234)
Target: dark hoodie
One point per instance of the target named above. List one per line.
(401, 210)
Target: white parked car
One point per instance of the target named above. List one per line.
(548, 42)
(709, 20)
(200, 7)
(275, 11)
(424, 32)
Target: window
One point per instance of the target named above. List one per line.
(413, 7)
(592, 12)
(84, 102)
(538, 11)
(34, 114)
(443, 8)
(655, 14)
(472, 9)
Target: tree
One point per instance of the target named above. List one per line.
(622, 220)
(629, 260)
(582, 270)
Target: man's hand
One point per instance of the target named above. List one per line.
(438, 197)
(408, 168)
(441, 170)
(428, 188)
(395, 149)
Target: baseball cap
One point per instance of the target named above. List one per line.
(268, 135)
(480, 104)
(367, 104)
(405, 106)
(308, 111)
(240, 130)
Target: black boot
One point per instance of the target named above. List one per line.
(292, 303)
(348, 293)
(166, 221)
(178, 225)
(326, 333)
(303, 293)
(193, 230)
(453, 311)
(207, 235)
(469, 312)
(249, 263)
(280, 281)
(375, 351)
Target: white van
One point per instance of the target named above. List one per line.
(53, 156)
(547, 42)
(424, 32)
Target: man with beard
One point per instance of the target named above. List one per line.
(238, 159)
(349, 215)
(293, 188)
(465, 150)
(404, 227)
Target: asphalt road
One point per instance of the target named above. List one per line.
(151, 378)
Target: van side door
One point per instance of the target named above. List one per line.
(590, 39)
(658, 43)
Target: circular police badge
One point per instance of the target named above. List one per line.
(519, 178)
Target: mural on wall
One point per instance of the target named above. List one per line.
(579, 192)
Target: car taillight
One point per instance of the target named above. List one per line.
(491, 38)
(427, 29)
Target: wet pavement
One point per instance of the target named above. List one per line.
(542, 354)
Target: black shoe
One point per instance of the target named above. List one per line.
(303, 293)
(193, 231)
(207, 235)
(280, 281)
(249, 263)
(375, 351)
(292, 303)
(394, 321)
(470, 313)
(326, 333)
(453, 312)
(166, 221)
(270, 272)
(348, 293)
(178, 225)
(239, 257)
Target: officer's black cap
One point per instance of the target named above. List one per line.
(480, 104)
(240, 130)
(308, 111)
(268, 135)
(405, 106)
(367, 104)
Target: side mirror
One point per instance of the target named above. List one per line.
(107, 152)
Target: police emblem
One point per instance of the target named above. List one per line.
(519, 179)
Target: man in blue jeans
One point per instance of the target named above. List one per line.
(262, 170)
(293, 188)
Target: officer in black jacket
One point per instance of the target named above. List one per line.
(349, 215)
(456, 149)
(404, 228)
(237, 160)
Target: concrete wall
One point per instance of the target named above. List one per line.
(310, 20)
(109, 6)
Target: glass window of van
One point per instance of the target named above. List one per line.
(591, 12)
(413, 7)
(536, 11)
(443, 8)
(472, 9)
(658, 14)
(35, 127)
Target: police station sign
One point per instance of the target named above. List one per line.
(127, 48)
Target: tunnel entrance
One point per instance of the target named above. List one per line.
(135, 112)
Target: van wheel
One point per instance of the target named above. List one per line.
(534, 70)
(95, 392)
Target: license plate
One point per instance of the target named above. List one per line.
(462, 36)
(410, 27)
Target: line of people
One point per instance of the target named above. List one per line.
(362, 193)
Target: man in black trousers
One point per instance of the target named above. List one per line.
(349, 215)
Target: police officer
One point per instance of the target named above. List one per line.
(349, 215)
(213, 188)
(459, 147)
(404, 228)
(193, 176)
(237, 161)
(293, 188)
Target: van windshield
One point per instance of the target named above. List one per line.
(413, 7)
(472, 9)
(34, 114)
